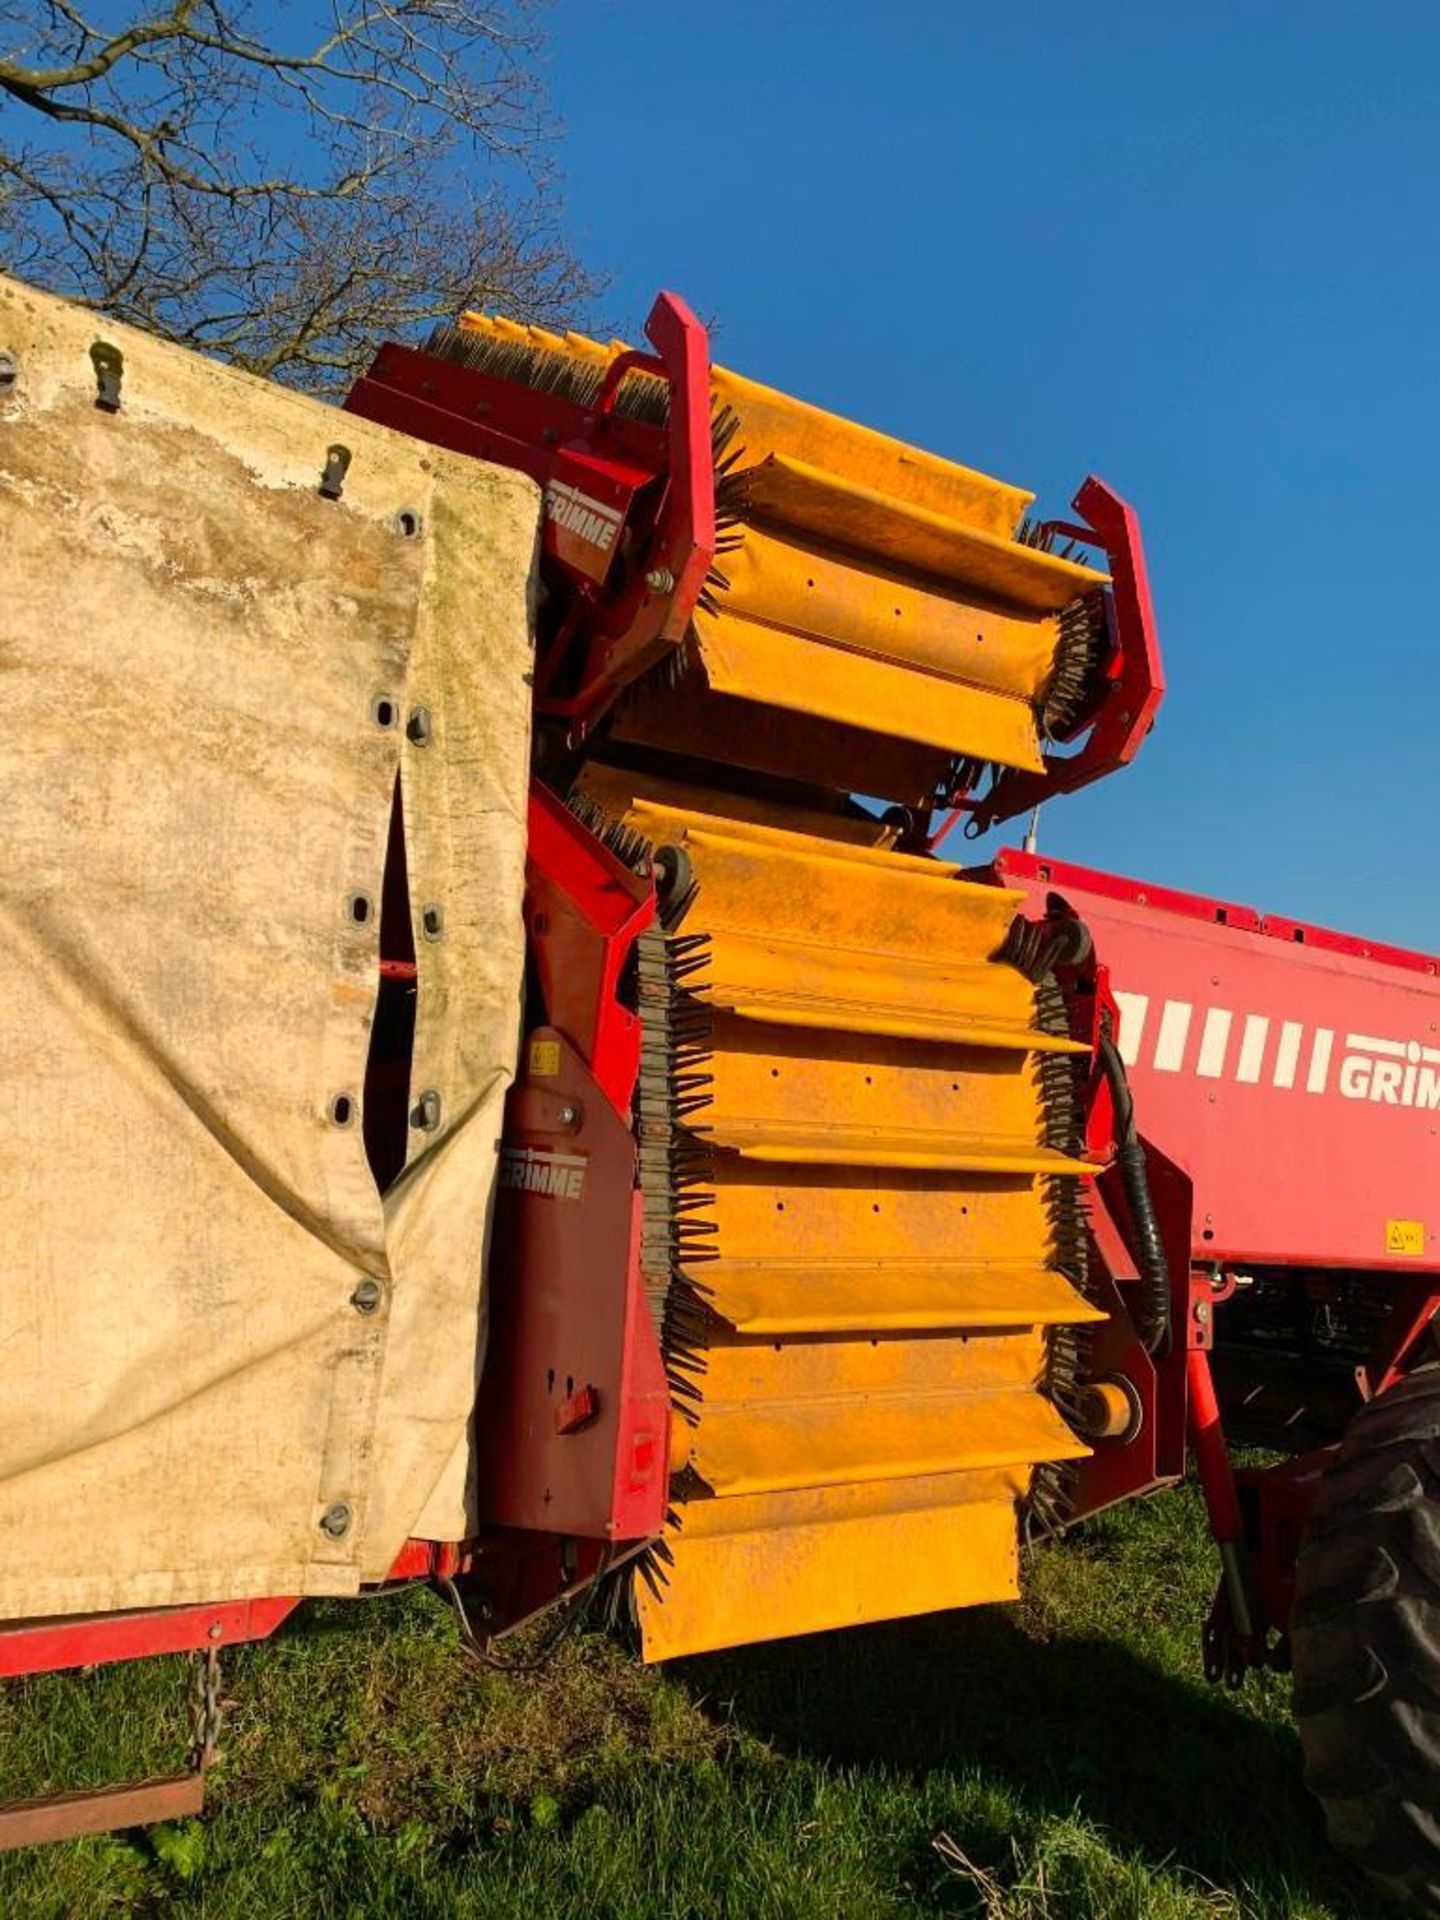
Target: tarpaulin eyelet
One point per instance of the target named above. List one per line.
(367, 1296)
(342, 1110)
(335, 1521)
(425, 1114)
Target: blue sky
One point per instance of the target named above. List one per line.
(1192, 249)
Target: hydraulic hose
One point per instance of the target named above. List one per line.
(1154, 1324)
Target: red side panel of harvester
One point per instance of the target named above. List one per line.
(1292, 1073)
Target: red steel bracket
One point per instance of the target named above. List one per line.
(1135, 679)
(1406, 1326)
(89, 1640)
(629, 531)
(584, 911)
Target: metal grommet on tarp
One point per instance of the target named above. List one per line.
(419, 728)
(367, 1296)
(335, 1521)
(425, 1114)
(432, 920)
(341, 1110)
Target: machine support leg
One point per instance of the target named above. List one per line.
(1217, 1486)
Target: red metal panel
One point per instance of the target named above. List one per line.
(573, 1413)
(584, 910)
(1294, 1074)
(572, 1424)
(49, 1646)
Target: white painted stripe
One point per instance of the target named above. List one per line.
(1174, 1031)
(1252, 1047)
(1213, 1042)
(1132, 1008)
(1287, 1053)
(1319, 1060)
(1362, 1043)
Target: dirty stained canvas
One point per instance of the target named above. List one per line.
(210, 671)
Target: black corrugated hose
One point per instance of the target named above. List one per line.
(1154, 1325)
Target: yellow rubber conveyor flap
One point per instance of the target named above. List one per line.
(855, 1195)
(878, 598)
(800, 932)
(867, 586)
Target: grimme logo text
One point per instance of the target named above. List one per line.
(561, 1176)
(577, 513)
(1215, 1043)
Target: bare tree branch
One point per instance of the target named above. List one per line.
(282, 198)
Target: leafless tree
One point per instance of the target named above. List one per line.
(281, 182)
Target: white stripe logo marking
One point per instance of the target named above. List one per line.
(1174, 1031)
(1381, 1071)
(1213, 1042)
(1252, 1048)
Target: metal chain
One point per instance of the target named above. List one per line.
(205, 1708)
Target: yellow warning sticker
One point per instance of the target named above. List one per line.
(545, 1058)
(1405, 1236)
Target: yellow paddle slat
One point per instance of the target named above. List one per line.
(773, 1295)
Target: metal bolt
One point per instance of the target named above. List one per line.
(337, 465)
(568, 1116)
(1202, 1312)
(335, 1521)
(216, 1631)
(9, 369)
(109, 365)
(660, 580)
(419, 729)
(367, 1296)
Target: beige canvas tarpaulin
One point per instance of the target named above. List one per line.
(208, 672)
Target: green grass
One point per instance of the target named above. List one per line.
(1062, 1760)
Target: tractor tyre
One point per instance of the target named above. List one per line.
(1365, 1641)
